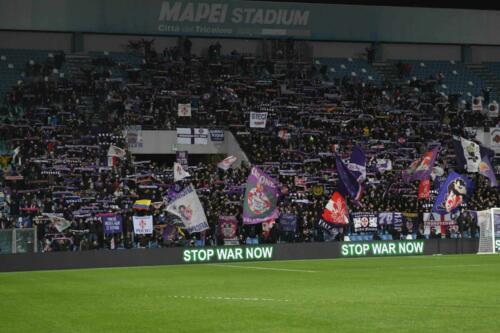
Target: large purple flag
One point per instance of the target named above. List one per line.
(261, 197)
(421, 168)
(486, 169)
(348, 183)
(453, 193)
(357, 164)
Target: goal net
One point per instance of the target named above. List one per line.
(489, 230)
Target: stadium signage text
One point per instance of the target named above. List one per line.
(193, 12)
(222, 254)
(382, 249)
(497, 245)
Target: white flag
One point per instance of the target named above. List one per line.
(472, 154)
(226, 163)
(258, 119)
(143, 225)
(384, 164)
(179, 172)
(493, 109)
(184, 110)
(187, 206)
(60, 223)
(477, 103)
(115, 151)
(16, 153)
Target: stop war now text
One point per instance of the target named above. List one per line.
(223, 254)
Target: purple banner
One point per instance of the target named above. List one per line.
(228, 226)
(261, 197)
(112, 224)
(288, 222)
(181, 157)
(348, 184)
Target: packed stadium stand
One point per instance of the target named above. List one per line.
(61, 113)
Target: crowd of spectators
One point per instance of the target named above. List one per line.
(63, 129)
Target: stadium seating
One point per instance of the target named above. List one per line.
(349, 67)
(457, 79)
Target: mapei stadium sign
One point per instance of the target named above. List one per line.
(202, 12)
(360, 249)
(223, 254)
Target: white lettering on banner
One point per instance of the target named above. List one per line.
(497, 245)
(382, 248)
(218, 13)
(262, 179)
(228, 254)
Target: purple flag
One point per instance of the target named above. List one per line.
(288, 222)
(348, 185)
(112, 224)
(357, 164)
(169, 232)
(452, 194)
(261, 197)
(421, 168)
(228, 226)
(486, 170)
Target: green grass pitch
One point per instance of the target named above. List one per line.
(397, 294)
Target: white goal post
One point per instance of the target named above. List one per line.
(489, 231)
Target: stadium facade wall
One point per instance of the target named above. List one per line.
(165, 143)
(421, 51)
(320, 49)
(339, 50)
(485, 53)
(251, 19)
(36, 40)
(172, 256)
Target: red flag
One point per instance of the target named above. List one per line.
(424, 189)
(335, 211)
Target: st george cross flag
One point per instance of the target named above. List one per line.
(192, 136)
(179, 172)
(468, 154)
(187, 206)
(261, 197)
(357, 164)
(421, 168)
(348, 185)
(143, 225)
(115, 151)
(486, 169)
(226, 163)
(453, 193)
(184, 110)
(335, 211)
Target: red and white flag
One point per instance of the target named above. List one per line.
(226, 163)
(335, 211)
(424, 189)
